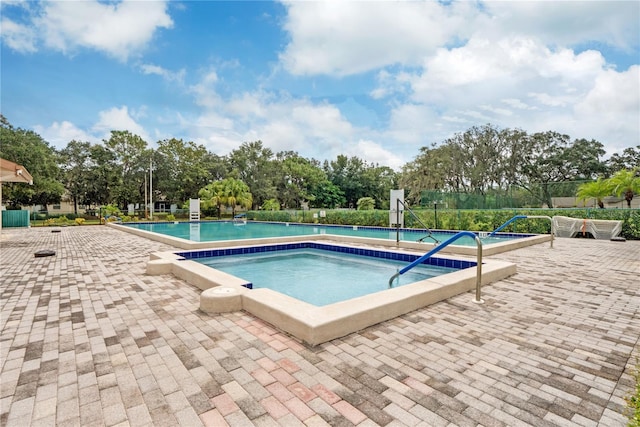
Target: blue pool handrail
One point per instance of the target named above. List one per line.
(443, 245)
(517, 217)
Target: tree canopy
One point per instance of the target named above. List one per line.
(482, 161)
(28, 149)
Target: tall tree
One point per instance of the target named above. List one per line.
(378, 183)
(76, 164)
(132, 160)
(543, 162)
(629, 159)
(584, 159)
(28, 149)
(327, 195)
(480, 150)
(103, 176)
(252, 163)
(346, 173)
(183, 169)
(428, 171)
(297, 178)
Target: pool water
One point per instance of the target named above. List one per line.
(227, 230)
(320, 277)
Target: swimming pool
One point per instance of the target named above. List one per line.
(317, 324)
(214, 231)
(203, 234)
(319, 275)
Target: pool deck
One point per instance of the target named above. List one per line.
(88, 339)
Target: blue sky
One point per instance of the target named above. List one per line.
(377, 80)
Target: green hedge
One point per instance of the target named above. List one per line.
(450, 219)
(375, 218)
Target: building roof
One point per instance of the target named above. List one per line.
(13, 172)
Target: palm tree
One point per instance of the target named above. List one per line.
(271, 205)
(625, 182)
(213, 195)
(236, 193)
(595, 190)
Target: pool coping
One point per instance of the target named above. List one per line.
(316, 325)
(488, 249)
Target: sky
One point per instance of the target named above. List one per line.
(372, 79)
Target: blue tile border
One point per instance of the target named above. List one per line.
(372, 253)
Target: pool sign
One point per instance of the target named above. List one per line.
(396, 208)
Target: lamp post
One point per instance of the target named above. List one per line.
(146, 206)
(435, 212)
(151, 186)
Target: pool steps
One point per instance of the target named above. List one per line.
(443, 245)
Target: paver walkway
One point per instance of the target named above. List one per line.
(89, 339)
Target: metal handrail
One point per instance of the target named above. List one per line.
(517, 217)
(399, 202)
(442, 246)
(506, 223)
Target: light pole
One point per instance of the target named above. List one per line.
(151, 186)
(146, 206)
(435, 212)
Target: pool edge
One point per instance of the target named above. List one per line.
(488, 249)
(316, 325)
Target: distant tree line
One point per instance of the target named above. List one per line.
(480, 160)
(485, 159)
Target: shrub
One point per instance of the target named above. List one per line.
(366, 203)
(79, 221)
(454, 219)
(62, 220)
(633, 400)
(171, 217)
(271, 205)
(112, 210)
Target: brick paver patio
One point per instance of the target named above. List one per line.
(89, 339)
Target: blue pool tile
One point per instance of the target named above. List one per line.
(408, 258)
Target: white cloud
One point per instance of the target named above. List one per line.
(616, 23)
(168, 75)
(118, 29)
(375, 153)
(119, 119)
(205, 90)
(18, 37)
(548, 100)
(517, 103)
(482, 68)
(314, 129)
(342, 38)
(609, 111)
(59, 134)
(350, 37)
